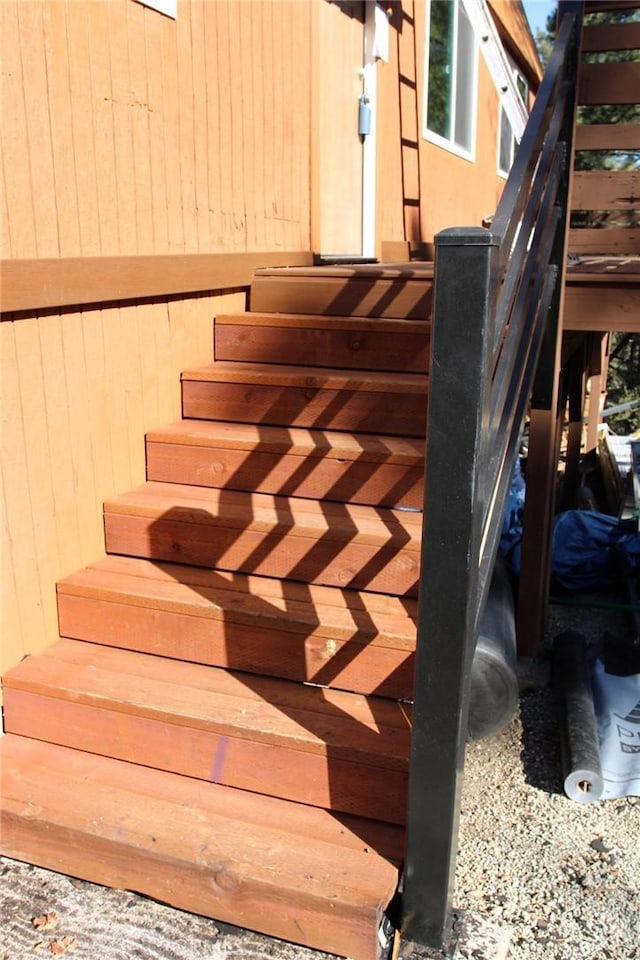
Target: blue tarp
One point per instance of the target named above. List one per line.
(592, 549)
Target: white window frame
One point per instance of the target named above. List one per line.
(436, 138)
(168, 7)
(519, 79)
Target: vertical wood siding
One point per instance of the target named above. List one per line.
(126, 132)
(79, 390)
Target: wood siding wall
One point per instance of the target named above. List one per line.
(126, 132)
(79, 389)
(423, 188)
(129, 138)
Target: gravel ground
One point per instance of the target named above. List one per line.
(538, 874)
(564, 877)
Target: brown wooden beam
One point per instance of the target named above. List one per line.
(599, 37)
(611, 241)
(602, 6)
(535, 566)
(601, 83)
(46, 283)
(605, 190)
(607, 136)
(598, 367)
(601, 307)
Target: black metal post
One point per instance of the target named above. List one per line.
(448, 593)
(544, 436)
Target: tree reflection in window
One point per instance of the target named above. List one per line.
(440, 67)
(451, 74)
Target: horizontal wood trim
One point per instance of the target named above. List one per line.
(601, 83)
(608, 136)
(605, 190)
(610, 36)
(606, 6)
(614, 241)
(45, 283)
(602, 307)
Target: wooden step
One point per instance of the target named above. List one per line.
(318, 464)
(400, 291)
(325, 748)
(283, 869)
(363, 342)
(318, 397)
(344, 639)
(339, 545)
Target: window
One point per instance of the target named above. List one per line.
(507, 144)
(451, 77)
(168, 7)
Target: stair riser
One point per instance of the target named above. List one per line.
(324, 409)
(182, 842)
(359, 566)
(320, 781)
(343, 297)
(406, 353)
(311, 477)
(197, 887)
(253, 647)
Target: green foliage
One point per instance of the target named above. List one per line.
(623, 382)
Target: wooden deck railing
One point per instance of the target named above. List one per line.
(496, 306)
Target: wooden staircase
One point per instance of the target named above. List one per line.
(224, 722)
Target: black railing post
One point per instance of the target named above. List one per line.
(544, 424)
(448, 593)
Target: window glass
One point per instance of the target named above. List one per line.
(441, 62)
(507, 144)
(465, 104)
(451, 76)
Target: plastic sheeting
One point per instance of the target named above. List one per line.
(617, 709)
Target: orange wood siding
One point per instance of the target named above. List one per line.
(126, 132)
(78, 392)
(456, 191)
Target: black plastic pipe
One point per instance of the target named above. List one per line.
(580, 750)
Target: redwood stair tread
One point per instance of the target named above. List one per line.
(304, 743)
(290, 395)
(289, 461)
(297, 441)
(400, 345)
(397, 325)
(370, 290)
(347, 639)
(284, 869)
(261, 709)
(198, 586)
(293, 375)
(340, 545)
(246, 510)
